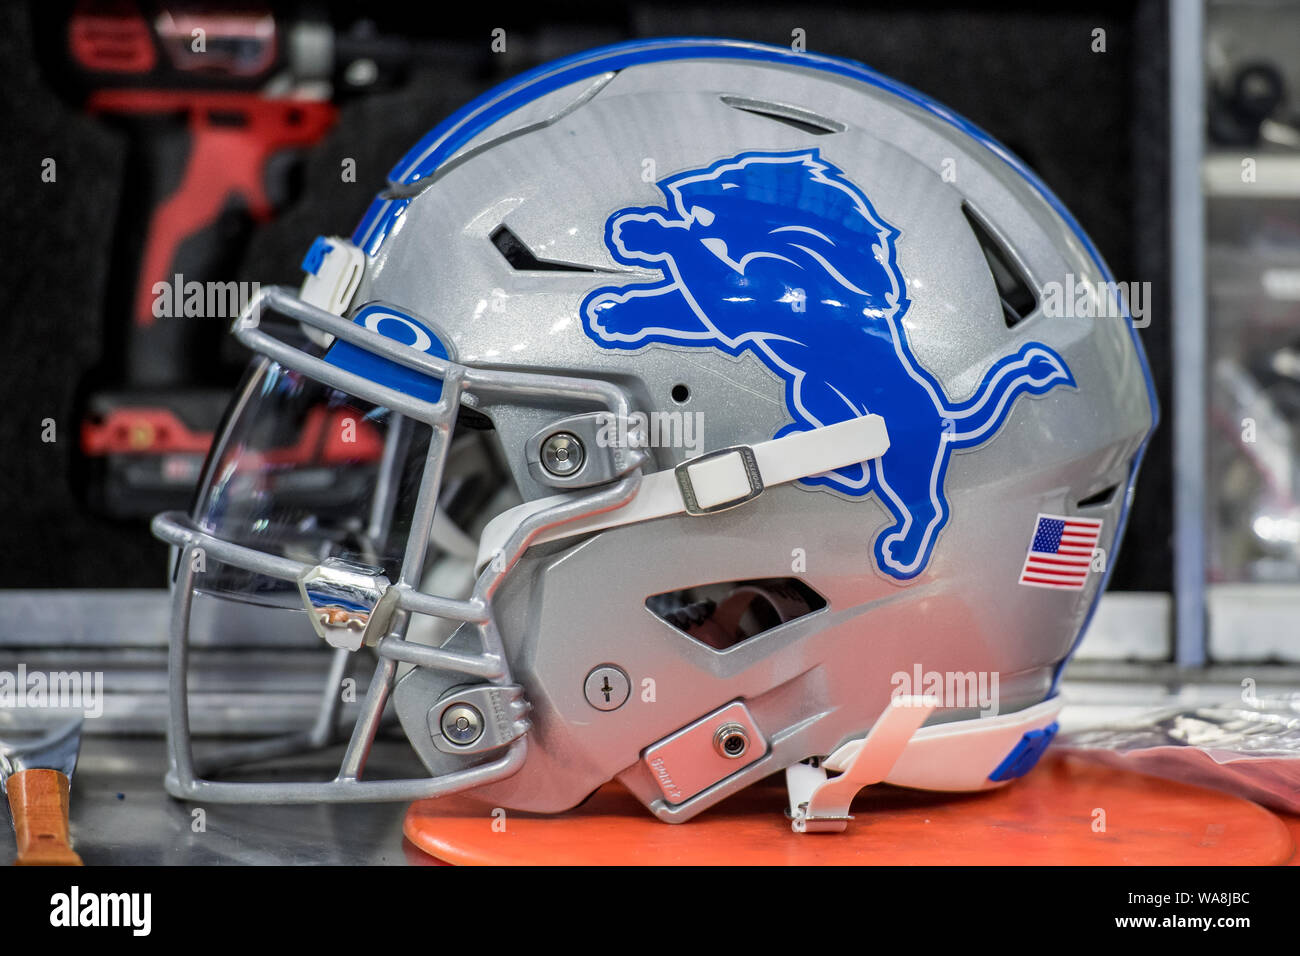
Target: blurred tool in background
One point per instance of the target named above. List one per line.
(229, 96)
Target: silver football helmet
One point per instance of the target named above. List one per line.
(682, 412)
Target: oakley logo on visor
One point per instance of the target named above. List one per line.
(402, 328)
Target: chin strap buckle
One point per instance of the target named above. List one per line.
(820, 804)
(709, 483)
(722, 479)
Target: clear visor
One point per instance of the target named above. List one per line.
(307, 472)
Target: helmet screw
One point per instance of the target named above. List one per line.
(563, 454)
(462, 724)
(731, 741)
(607, 687)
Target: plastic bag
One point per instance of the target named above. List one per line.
(1251, 749)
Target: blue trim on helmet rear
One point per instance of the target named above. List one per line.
(477, 115)
(1025, 754)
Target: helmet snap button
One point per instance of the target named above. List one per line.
(462, 724)
(563, 454)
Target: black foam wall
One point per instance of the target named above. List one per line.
(1093, 124)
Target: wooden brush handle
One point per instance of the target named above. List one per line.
(39, 802)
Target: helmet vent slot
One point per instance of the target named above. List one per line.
(802, 120)
(1098, 498)
(727, 613)
(1014, 289)
(521, 258)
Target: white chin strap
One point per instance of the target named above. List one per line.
(713, 482)
(962, 755)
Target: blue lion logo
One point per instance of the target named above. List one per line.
(778, 254)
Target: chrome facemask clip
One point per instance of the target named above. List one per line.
(350, 604)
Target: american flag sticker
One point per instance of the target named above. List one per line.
(1060, 555)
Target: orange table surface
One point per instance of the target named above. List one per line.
(1051, 816)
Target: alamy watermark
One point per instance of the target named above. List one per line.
(1077, 298)
(64, 690)
(949, 688)
(675, 429)
(205, 300)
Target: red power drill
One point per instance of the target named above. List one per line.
(226, 96)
